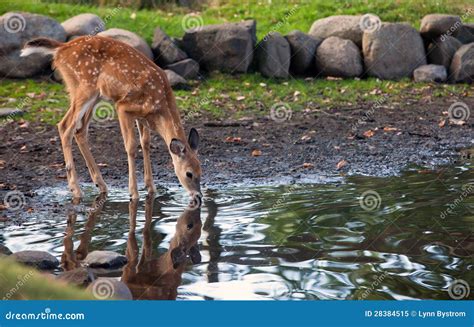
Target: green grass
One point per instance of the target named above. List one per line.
(222, 96)
(19, 282)
(237, 96)
(282, 15)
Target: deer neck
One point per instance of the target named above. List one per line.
(168, 125)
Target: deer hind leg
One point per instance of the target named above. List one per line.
(128, 134)
(82, 141)
(145, 137)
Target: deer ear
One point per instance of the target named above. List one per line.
(193, 139)
(177, 147)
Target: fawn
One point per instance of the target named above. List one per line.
(95, 68)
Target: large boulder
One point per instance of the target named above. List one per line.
(187, 68)
(339, 58)
(165, 50)
(435, 25)
(430, 73)
(393, 51)
(442, 50)
(174, 79)
(38, 259)
(465, 33)
(83, 24)
(224, 47)
(303, 49)
(129, 38)
(462, 65)
(343, 26)
(274, 56)
(105, 259)
(16, 28)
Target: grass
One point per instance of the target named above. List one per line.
(237, 96)
(19, 282)
(282, 15)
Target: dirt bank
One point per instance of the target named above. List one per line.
(362, 140)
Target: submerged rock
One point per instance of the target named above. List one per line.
(38, 259)
(4, 250)
(105, 259)
(81, 276)
(105, 288)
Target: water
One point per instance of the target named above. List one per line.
(359, 238)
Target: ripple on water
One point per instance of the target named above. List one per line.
(286, 242)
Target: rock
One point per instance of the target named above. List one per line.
(303, 49)
(393, 51)
(187, 68)
(4, 250)
(165, 50)
(104, 288)
(38, 259)
(274, 56)
(16, 28)
(339, 58)
(129, 38)
(105, 259)
(81, 277)
(175, 79)
(83, 24)
(8, 113)
(465, 33)
(343, 26)
(224, 47)
(435, 25)
(430, 73)
(442, 50)
(462, 65)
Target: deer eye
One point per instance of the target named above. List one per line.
(189, 175)
(190, 226)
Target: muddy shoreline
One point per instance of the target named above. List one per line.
(309, 147)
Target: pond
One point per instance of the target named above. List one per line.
(403, 237)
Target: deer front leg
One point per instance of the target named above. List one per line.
(126, 126)
(66, 128)
(83, 143)
(145, 143)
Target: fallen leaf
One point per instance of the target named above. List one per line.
(231, 139)
(369, 133)
(30, 210)
(305, 137)
(442, 122)
(100, 164)
(240, 98)
(256, 153)
(341, 164)
(308, 165)
(389, 129)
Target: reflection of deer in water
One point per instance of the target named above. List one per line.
(70, 259)
(152, 278)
